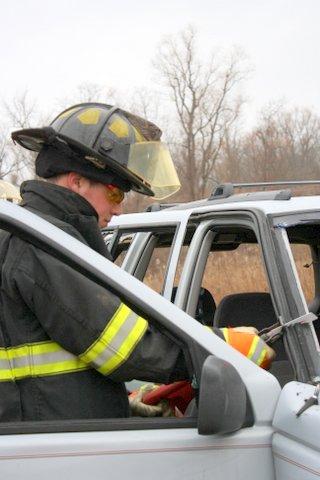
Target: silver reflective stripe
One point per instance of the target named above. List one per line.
(37, 359)
(42, 359)
(259, 350)
(5, 365)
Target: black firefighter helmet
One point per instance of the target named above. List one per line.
(106, 144)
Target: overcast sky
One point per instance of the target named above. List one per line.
(50, 47)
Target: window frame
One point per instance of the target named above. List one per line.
(140, 251)
(190, 284)
(301, 336)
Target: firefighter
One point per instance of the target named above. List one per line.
(67, 343)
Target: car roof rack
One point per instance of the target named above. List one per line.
(156, 207)
(225, 193)
(276, 183)
(225, 190)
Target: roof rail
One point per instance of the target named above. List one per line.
(156, 207)
(278, 182)
(224, 190)
(224, 193)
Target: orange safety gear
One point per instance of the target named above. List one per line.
(250, 345)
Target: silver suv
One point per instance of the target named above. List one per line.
(226, 260)
(244, 259)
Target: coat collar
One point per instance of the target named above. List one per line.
(63, 204)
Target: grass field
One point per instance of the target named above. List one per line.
(236, 271)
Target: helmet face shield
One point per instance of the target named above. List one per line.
(152, 161)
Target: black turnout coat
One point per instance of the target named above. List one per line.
(66, 344)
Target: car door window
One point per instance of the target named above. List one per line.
(235, 271)
(124, 242)
(118, 243)
(302, 256)
(157, 267)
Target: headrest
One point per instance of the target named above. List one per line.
(254, 308)
(206, 306)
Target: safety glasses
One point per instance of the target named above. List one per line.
(115, 194)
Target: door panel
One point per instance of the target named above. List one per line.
(296, 443)
(173, 454)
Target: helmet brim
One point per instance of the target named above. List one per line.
(34, 139)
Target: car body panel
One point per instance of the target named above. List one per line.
(139, 454)
(296, 443)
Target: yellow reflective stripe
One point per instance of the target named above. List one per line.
(6, 375)
(113, 347)
(38, 359)
(126, 348)
(261, 357)
(49, 369)
(117, 341)
(107, 335)
(253, 347)
(225, 332)
(257, 351)
(29, 349)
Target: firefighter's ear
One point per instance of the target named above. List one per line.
(75, 182)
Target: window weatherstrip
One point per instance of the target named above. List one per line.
(294, 268)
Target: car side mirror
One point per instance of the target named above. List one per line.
(222, 398)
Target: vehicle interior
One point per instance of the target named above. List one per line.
(229, 285)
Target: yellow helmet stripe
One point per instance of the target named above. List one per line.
(67, 113)
(119, 127)
(91, 116)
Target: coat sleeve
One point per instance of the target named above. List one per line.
(93, 324)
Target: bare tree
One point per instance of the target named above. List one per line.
(205, 102)
(7, 164)
(285, 145)
(88, 92)
(20, 112)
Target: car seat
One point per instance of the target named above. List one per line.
(206, 306)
